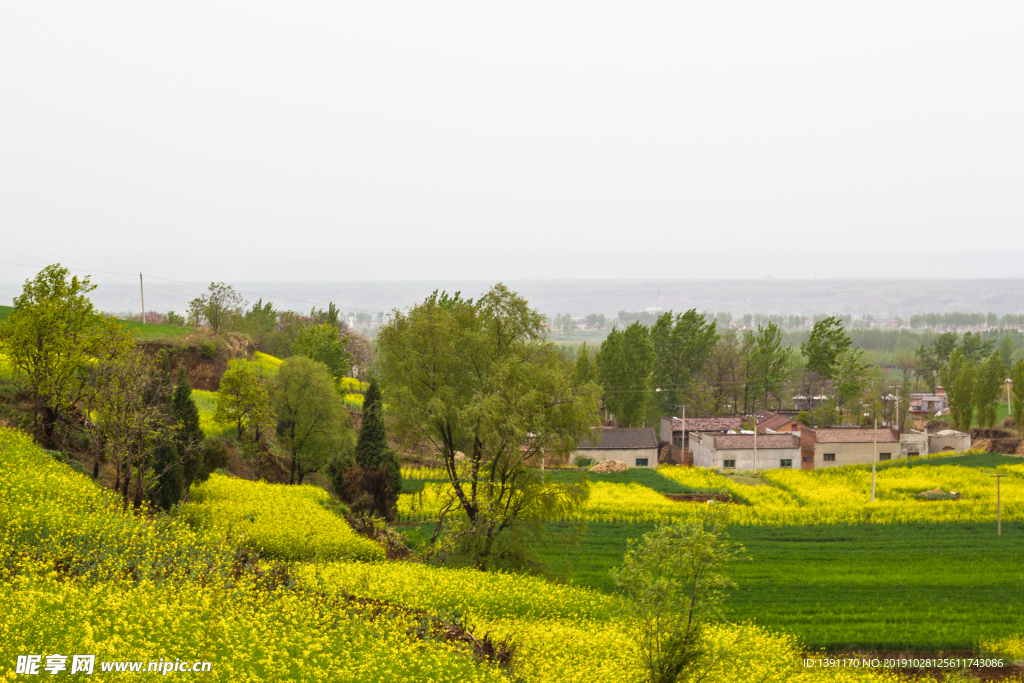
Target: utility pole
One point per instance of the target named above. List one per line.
(755, 444)
(1009, 406)
(898, 390)
(999, 506)
(873, 460)
(142, 294)
(682, 445)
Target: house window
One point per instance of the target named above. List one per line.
(885, 456)
(786, 462)
(729, 464)
(808, 458)
(641, 462)
(830, 457)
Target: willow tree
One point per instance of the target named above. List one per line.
(480, 382)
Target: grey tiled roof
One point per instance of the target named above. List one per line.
(623, 438)
(859, 435)
(746, 441)
(708, 424)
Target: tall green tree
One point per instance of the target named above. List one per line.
(827, 342)
(480, 382)
(624, 366)
(771, 363)
(944, 345)
(243, 399)
(1007, 348)
(721, 377)
(977, 348)
(905, 365)
(51, 339)
(189, 436)
(926, 364)
(311, 423)
(129, 414)
(168, 489)
(852, 378)
(323, 343)
(585, 371)
(957, 376)
(376, 457)
(217, 307)
(988, 384)
(260, 322)
(1017, 377)
(682, 345)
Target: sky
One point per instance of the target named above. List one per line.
(405, 140)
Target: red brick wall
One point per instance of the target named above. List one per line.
(808, 438)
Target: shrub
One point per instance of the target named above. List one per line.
(675, 588)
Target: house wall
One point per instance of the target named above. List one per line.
(953, 442)
(627, 455)
(807, 449)
(665, 429)
(853, 453)
(767, 459)
(702, 451)
(914, 443)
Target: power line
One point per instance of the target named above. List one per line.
(166, 279)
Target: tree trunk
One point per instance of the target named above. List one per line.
(49, 425)
(127, 481)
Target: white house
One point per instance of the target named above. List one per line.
(736, 451)
(635, 447)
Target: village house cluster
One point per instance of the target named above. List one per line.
(780, 442)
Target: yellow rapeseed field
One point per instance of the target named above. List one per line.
(80, 576)
(840, 495)
(352, 384)
(277, 520)
(565, 633)
(270, 363)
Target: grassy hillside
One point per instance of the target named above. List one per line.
(149, 331)
(143, 330)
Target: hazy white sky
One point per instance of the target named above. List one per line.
(280, 141)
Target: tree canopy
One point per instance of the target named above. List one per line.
(624, 366)
(52, 338)
(682, 345)
(827, 342)
(217, 307)
(311, 422)
(479, 381)
(323, 343)
(243, 398)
